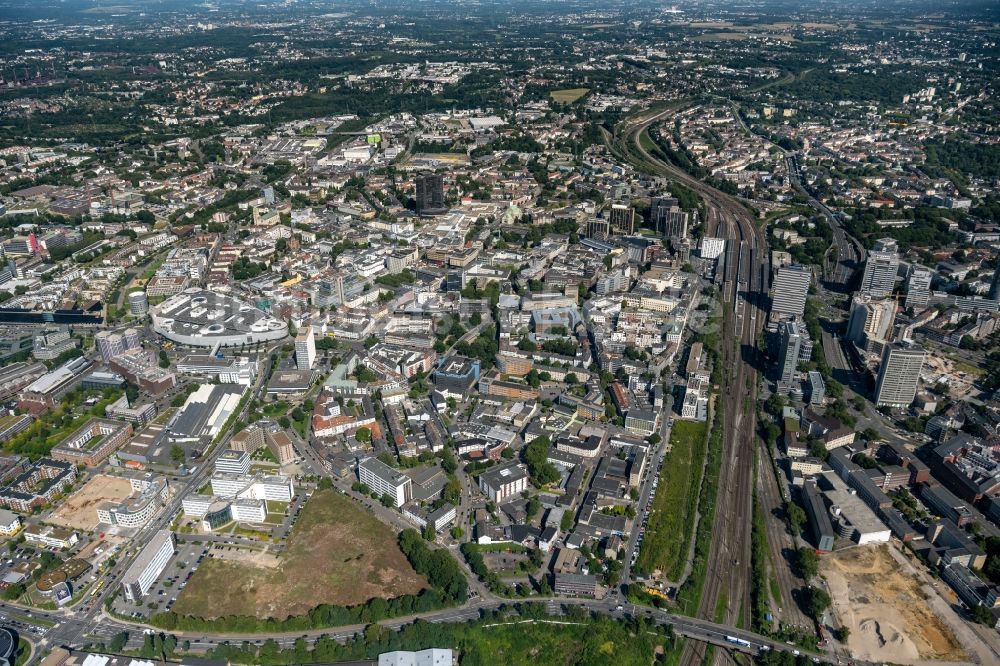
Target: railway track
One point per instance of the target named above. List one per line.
(744, 283)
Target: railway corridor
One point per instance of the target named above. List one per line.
(725, 596)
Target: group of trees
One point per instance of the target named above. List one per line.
(521, 143)
(520, 632)
(484, 347)
(929, 228)
(244, 269)
(960, 154)
(535, 456)
(437, 565)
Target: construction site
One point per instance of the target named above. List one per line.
(891, 614)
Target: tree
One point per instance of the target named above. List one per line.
(817, 601)
(982, 615)
(284, 422)
(387, 500)
(177, 454)
(164, 359)
(796, 517)
(448, 462)
(12, 592)
(363, 434)
(842, 634)
(807, 562)
(533, 507)
(871, 435)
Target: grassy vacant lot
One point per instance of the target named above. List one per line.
(539, 642)
(569, 95)
(337, 554)
(671, 521)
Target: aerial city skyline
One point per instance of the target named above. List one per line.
(472, 333)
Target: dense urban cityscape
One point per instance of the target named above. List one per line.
(472, 333)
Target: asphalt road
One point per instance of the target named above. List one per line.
(700, 630)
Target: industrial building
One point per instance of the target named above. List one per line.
(205, 412)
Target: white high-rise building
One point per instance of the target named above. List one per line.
(305, 348)
(139, 577)
(871, 321)
(791, 287)
(385, 480)
(918, 287)
(791, 344)
(898, 375)
(881, 268)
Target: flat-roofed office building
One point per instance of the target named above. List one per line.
(148, 566)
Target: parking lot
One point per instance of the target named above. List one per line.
(169, 585)
(643, 517)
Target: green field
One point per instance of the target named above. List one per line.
(337, 553)
(569, 95)
(671, 521)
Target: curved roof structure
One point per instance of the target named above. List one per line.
(202, 318)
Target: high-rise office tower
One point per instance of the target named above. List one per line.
(598, 227)
(621, 217)
(918, 287)
(666, 216)
(898, 375)
(788, 357)
(305, 348)
(995, 284)
(871, 321)
(791, 287)
(880, 268)
(430, 193)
